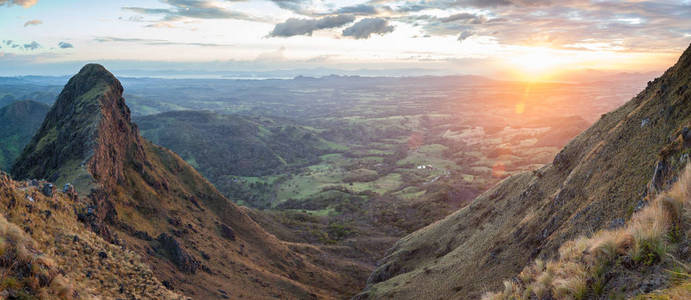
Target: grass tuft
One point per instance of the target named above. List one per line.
(584, 264)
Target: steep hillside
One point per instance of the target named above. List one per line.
(46, 253)
(649, 252)
(18, 122)
(147, 199)
(597, 181)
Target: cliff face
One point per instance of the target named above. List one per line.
(147, 199)
(597, 181)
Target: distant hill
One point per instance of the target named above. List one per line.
(220, 145)
(146, 199)
(598, 181)
(19, 121)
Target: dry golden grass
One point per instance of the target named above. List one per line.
(25, 271)
(647, 239)
(56, 257)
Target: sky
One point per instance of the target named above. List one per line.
(501, 38)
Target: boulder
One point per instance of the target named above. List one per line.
(227, 232)
(48, 190)
(171, 249)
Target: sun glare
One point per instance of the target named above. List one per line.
(537, 64)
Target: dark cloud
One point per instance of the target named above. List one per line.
(23, 3)
(154, 42)
(33, 22)
(364, 28)
(32, 46)
(292, 27)
(65, 45)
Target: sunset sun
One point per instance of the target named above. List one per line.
(537, 64)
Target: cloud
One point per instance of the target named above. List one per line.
(297, 6)
(32, 46)
(272, 56)
(33, 22)
(181, 9)
(14, 45)
(292, 26)
(364, 28)
(464, 35)
(362, 9)
(23, 3)
(65, 45)
(464, 18)
(610, 25)
(155, 42)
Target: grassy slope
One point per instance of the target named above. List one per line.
(598, 179)
(45, 253)
(616, 263)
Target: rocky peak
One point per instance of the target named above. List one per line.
(86, 137)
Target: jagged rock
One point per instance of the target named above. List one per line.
(70, 191)
(561, 161)
(658, 174)
(167, 284)
(143, 235)
(171, 249)
(48, 190)
(227, 232)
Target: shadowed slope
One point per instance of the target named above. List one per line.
(18, 123)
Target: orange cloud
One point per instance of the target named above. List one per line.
(33, 22)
